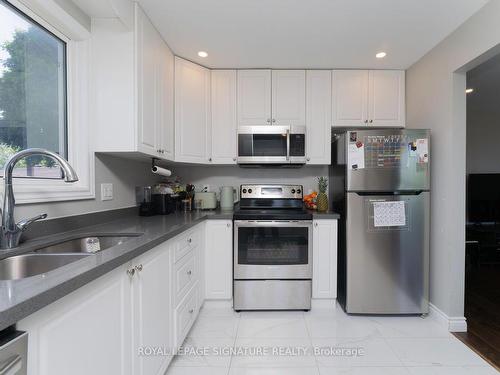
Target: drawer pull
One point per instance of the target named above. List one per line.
(191, 311)
(131, 272)
(190, 240)
(138, 268)
(189, 272)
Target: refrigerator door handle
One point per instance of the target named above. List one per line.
(395, 193)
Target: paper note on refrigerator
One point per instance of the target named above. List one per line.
(356, 156)
(389, 214)
(423, 150)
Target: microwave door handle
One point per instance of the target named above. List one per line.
(288, 145)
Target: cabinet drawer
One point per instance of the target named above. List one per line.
(185, 315)
(185, 274)
(185, 243)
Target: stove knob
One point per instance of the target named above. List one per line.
(298, 191)
(293, 191)
(249, 191)
(244, 190)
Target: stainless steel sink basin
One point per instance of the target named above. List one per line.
(89, 244)
(26, 265)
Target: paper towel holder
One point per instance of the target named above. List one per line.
(159, 170)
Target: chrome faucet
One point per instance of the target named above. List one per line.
(11, 232)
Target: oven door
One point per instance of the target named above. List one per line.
(263, 144)
(272, 249)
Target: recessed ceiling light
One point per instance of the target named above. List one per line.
(468, 91)
(380, 55)
(202, 54)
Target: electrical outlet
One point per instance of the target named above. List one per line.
(106, 192)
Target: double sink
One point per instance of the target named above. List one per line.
(53, 256)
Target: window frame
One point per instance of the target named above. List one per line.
(36, 190)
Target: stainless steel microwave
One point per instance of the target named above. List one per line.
(271, 144)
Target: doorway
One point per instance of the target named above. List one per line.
(482, 269)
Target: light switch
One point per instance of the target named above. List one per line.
(106, 192)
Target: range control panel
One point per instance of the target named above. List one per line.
(271, 191)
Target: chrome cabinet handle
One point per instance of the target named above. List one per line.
(228, 225)
(274, 120)
(268, 120)
(316, 225)
(189, 240)
(191, 311)
(131, 272)
(9, 366)
(366, 121)
(308, 159)
(371, 121)
(138, 268)
(234, 159)
(189, 272)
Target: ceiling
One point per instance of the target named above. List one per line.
(307, 33)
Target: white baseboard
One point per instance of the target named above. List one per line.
(452, 324)
(323, 303)
(218, 303)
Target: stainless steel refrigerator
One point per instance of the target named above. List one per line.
(380, 185)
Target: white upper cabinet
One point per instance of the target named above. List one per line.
(350, 97)
(224, 117)
(192, 112)
(271, 97)
(288, 97)
(254, 97)
(318, 116)
(368, 98)
(166, 100)
(147, 84)
(386, 93)
(133, 84)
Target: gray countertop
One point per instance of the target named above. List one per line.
(20, 298)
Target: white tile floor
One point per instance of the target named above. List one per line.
(389, 345)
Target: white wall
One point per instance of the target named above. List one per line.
(217, 176)
(122, 173)
(436, 99)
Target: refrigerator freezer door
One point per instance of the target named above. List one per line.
(381, 160)
(387, 253)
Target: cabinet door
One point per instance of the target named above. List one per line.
(350, 97)
(288, 97)
(147, 58)
(219, 259)
(386, 99)
(86, 332)
(166, 101)
(325, 259)
(318, 116)
(224, 120)
(254, 97)
(192, 112)
(151, 309)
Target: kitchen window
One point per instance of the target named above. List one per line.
(45, 63)
(33, 95)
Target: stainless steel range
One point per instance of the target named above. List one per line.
(272, 249)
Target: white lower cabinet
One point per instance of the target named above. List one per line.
(151, 308)
(109, 326)
(87, 332)
(324, 259)
(187, 297)
(219, 259)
